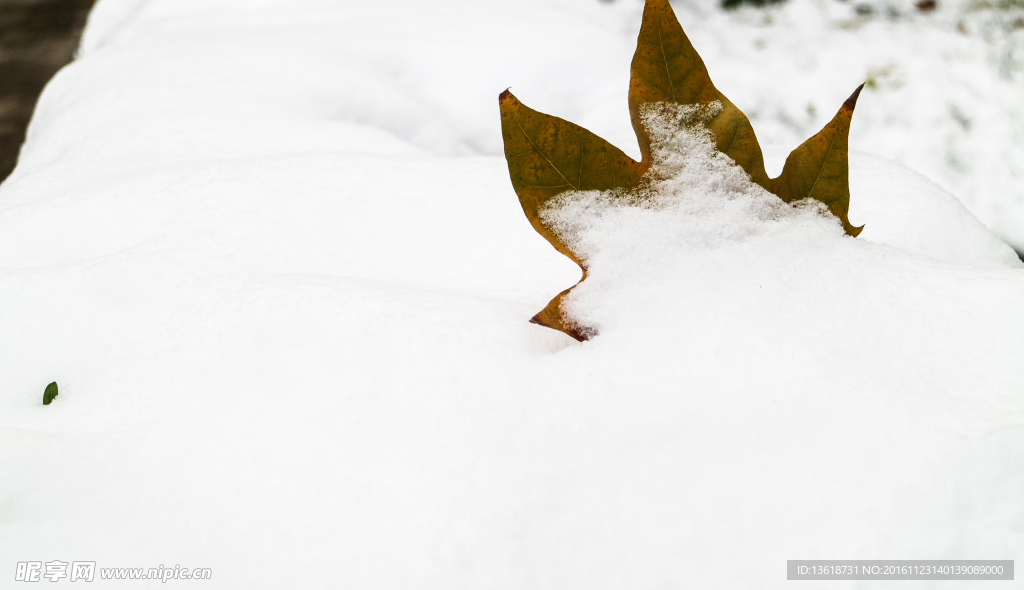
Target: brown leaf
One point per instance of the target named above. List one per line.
(552, 317)
(819, 169)
(548, 156)
(666, 68)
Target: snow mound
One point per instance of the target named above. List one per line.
(904, 209)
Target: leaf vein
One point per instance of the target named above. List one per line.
(653, 85)
(521, 183)
(542, 154)
(821, 168)
(664, 58)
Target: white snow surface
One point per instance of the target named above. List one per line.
(266, 251)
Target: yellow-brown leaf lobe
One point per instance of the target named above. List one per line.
(547, 156)
(819, 169)
(667, 68)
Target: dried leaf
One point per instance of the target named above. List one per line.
(548, 156)
(819, 169)
(666, 68)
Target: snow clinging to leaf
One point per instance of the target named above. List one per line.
(694, 196)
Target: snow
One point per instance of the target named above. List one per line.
(892, 198)
(268, 252)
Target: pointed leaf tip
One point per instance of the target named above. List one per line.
(504, 95)
(852, 101)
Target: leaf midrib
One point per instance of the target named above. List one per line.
(548, 160)
(668, 70)
(821, 168)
